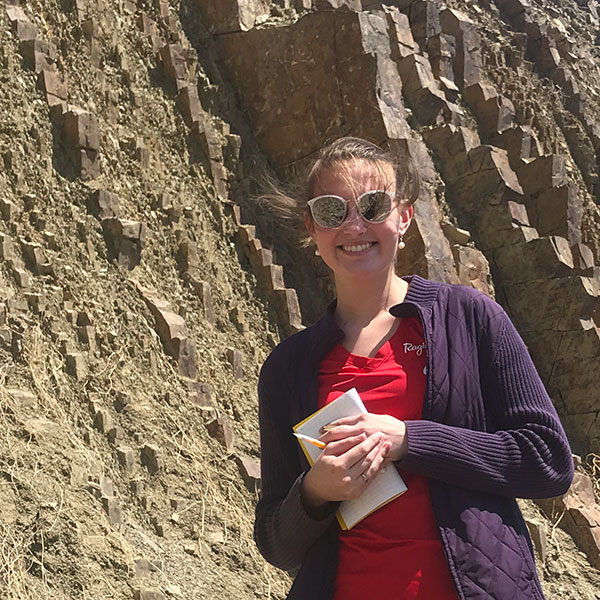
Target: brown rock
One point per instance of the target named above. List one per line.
(15, 13)
(143, 567)
(473, 269)
(24, 30)
(581, 517)
(542, 173)
(494, 112)
(203, 291)
(148, 594)
(467, 61)
(87, 335)
(22, 278)
(35, 257)
(125, 240)
(174, 63)
(425, 20)
(273, 276)
(222, 430)
(250, 471)
(81, 129)
(142, 154)
(200, 393)
(90, 28)
(306, 85)
(112, 507)
(543, 258)
(235, 359)
(539, 537)
(103, 421)
(126, 458)
(190, 105)
(7, 250)
(150, 458)
(583, 259)
(560, 305)
(556, 211)
(186, 357)
(287, 304)
(452, 145)
(226, 16)
(401, 39)
(38, 54)
(103, 204)
(487, 179)
(427, 251)
(7, 209)
(76, 366)
(422, 92)
(514, 8)
(441, 49)
(187, 256)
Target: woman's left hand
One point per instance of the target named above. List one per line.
(393, 429)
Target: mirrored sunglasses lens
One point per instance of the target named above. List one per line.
(328, 211)
(375, 206)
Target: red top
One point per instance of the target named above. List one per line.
(396, 551)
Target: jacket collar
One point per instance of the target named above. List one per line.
(421, 295)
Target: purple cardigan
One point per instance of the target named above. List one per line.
(489, 433)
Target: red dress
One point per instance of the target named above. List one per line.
(395, 552)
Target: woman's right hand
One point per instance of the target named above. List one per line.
(344, 469)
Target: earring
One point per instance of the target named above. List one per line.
(317, 253)
(401, 244)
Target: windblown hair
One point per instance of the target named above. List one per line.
(342, 155)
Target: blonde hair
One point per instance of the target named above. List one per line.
(341, 155)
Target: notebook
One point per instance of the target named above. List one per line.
(384, 487)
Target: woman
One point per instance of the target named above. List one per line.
(454, 402)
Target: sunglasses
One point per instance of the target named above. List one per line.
(330, 211)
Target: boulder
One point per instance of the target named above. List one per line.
(326, 75)
(227, 16)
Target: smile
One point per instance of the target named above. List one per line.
(357, 247)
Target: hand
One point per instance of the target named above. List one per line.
(344, 468)
(393, 430)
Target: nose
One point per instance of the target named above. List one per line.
(353, 221)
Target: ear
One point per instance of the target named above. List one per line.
(405, 219)
(310, 225)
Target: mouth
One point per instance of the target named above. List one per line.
(355, 248)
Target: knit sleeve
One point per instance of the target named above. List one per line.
(283, 530)
(524, 454)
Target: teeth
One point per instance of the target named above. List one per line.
(356, 247)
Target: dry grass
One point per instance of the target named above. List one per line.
(35, 475)
(592, 462)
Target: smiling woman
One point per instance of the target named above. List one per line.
(361, 237)
(454, 403)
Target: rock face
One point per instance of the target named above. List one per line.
(142, 287)
(305, 86)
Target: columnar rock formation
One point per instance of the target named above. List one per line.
(141, 286)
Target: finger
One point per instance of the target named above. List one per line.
(344, 445)
(363, 465)
(343, 431)
(352, 420)
(375, 467)
(358, 452)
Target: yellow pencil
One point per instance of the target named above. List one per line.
(310, 440)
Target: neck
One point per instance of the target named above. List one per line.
(360, 300)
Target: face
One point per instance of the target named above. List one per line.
(358, 248)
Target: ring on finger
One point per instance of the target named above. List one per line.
(364, 477)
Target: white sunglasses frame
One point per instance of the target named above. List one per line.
(311, 202)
